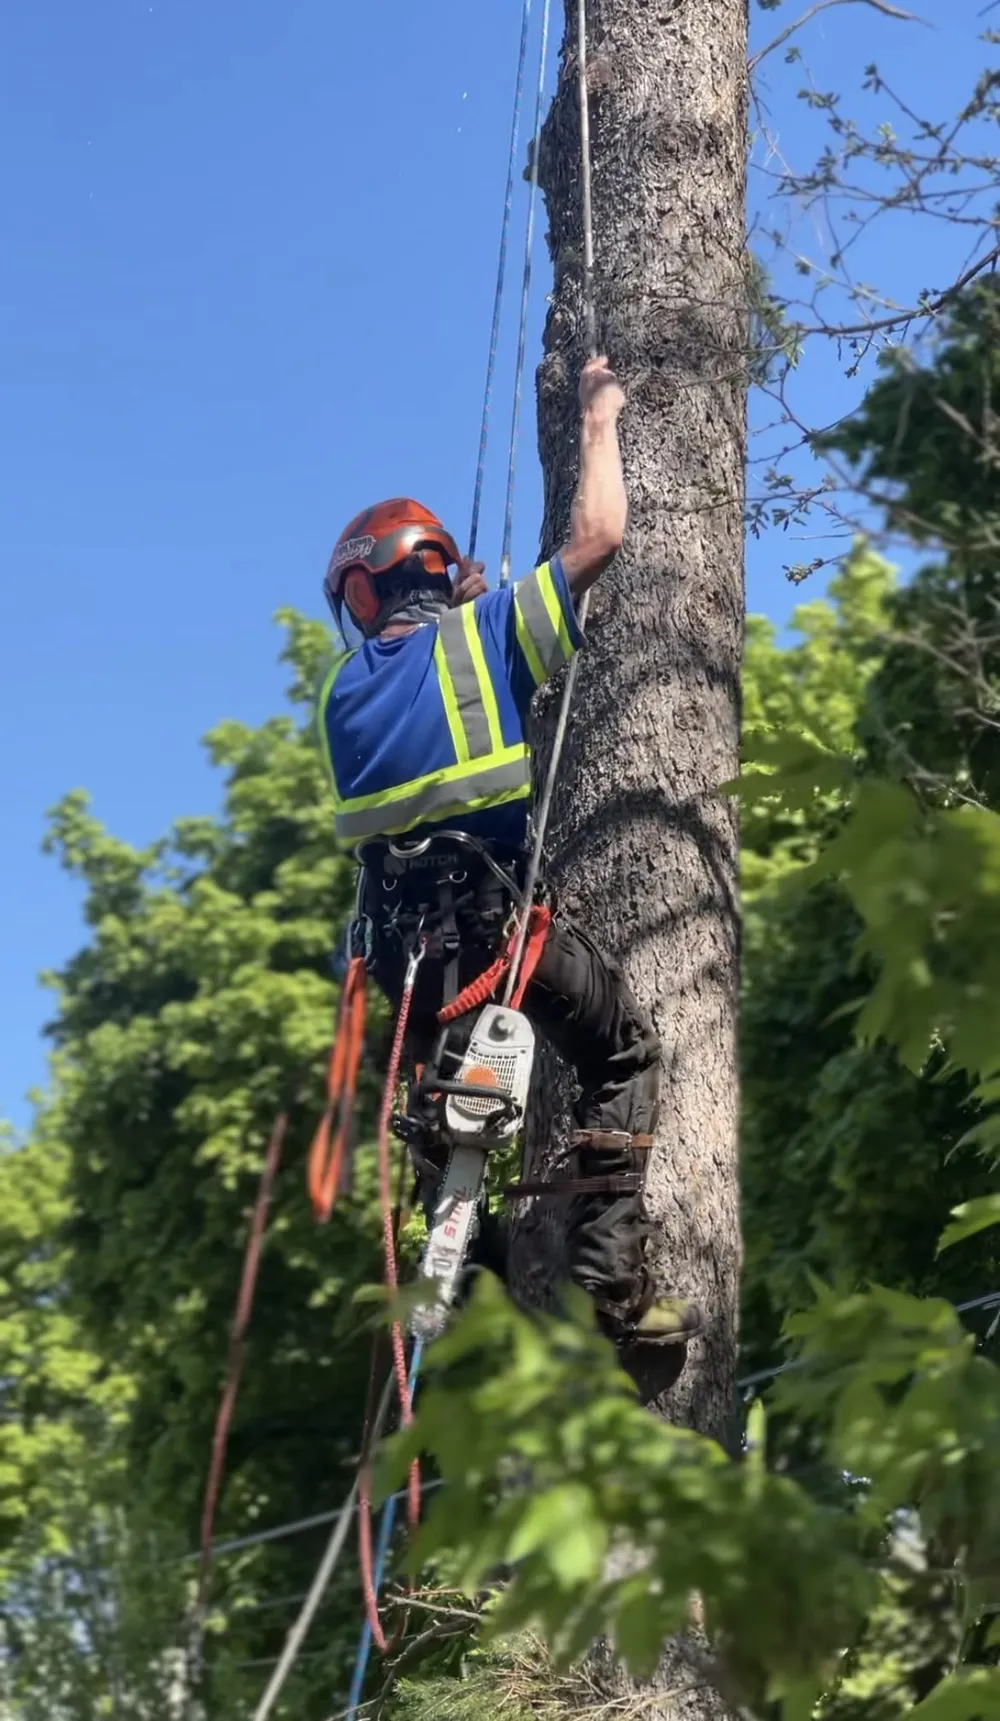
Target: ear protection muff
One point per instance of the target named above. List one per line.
(361, 597)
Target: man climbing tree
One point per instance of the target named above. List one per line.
(423, 734)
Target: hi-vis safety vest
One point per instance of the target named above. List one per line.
(453, 696)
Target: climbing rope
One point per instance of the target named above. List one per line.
(318, 1588)
(586, 200)
(590, 335)
(241, 1320)
(373, 1582)
(329, 1151)
(477, 497)
(515, 983)
(522, 332)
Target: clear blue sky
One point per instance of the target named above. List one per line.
(245, 288)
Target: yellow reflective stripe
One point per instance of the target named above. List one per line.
(550, 597)
(438, 798)
(449, 697)
(540, 620)
(486, 692)
(357, 827)
(321, 704)
(471, 768)
(527, 644)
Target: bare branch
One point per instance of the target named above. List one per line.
(824, 6)
(929, 309)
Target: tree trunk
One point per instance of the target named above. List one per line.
(641, 846)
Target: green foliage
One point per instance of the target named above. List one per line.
(926, 446)
(98, 1631)
(618, 1518)
(515, 1679)
(925, 886)
(62, 1405)
(925, 430)
(879, 721)
(970, 1218)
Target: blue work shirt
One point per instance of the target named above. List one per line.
(428, 728)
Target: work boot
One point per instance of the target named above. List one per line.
(653, 1319)
(668, 1321)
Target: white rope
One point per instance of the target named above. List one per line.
(324, 1572)
(293, 1527)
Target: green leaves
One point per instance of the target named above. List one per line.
(973, 1694)
(926, 884)
(563, 1521)
(608, 1521)
(969, 1219)
(611, 1519)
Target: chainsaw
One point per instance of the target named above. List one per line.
(465, 1116)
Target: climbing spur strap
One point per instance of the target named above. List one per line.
(615, 1183)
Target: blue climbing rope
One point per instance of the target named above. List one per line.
(477, 496)
(522, 334)
(382, 1546)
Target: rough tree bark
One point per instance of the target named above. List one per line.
(642, 847)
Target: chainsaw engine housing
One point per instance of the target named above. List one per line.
(499, 1055)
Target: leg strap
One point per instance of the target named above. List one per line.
(610, 1138)
(617, 1183)
(624, 1183)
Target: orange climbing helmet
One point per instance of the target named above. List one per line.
(384, 555)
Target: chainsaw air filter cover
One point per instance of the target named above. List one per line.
(499, 1055)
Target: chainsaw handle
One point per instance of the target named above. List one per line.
(469, 1091)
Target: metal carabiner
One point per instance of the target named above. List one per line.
(416, 956)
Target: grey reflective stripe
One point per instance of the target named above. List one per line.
(529, 600)
(489, 786)
(455, 645)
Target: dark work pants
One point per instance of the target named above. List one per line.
(580, 1002)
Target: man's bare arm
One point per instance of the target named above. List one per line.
(600, 507)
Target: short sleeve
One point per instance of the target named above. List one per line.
(534, 626)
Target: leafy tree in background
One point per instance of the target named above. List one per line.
(851, 1161)
(201, 1004)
